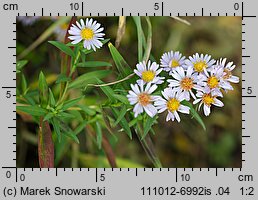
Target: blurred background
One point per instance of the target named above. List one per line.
(183, 144)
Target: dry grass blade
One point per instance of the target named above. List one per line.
(181, 20)
(43, 37)
(121, 30)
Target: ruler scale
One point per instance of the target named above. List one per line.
(129, 183)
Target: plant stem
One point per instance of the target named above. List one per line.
(148, 147)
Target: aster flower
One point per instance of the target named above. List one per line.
(207, 99)
(227, 73)
(172, 60)
(200, 63)
(184, 82)
(148, 73)
(89, 32)
(142, 99)
(28, 20)
(172, 103)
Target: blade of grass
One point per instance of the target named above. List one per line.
(149, 40)
(43, 36)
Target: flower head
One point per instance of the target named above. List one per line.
(142, 99)
(200, 63)
(184, 82)
(227, 76)
(89, 32)
(148, 72)
(172, 103)
(206, 99)
(172, 60)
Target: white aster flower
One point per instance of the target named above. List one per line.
(142, 99)
(171, 103)
(172, 60)
(200, 63)
(184, 82)
(89, 32)
(227, 73)
(207, 99)
(148, 73)
(213, 81)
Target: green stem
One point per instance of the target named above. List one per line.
(148, 147)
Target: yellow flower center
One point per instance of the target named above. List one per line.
(213, 82)
(199, 66)
(186, 83)
(174, 63)
(144, 99)
(148, 76)
(228, 74)
(173, 105)
(87, 33)
(208, 99)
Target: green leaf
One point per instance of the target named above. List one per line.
(120, 62)
(66, 116)
(94, 64)
(62, 78)
(20, 64)
(99, 135)
(72, 136)
(80, 127)
(67, 50)
(48, 116)
(56, 126)
(123, 122)
(138, 24)
(121, 98)
(107, 90)
(24, 84)
(87, 110)
(194, 114)
(147, 125)
(70, 103)
(52, 101)
(43, 90)
(89, 78)
(121, 115)
(32, 110)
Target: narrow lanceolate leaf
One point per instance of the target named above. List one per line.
(56, 126)
(123, 122)
(52, 101)
(98, 134)
(120, 62)
(195, 114)
(43, 90)
(32, 110)
(67, 50)
(20, 64)
(94, 64)
(89, 78)
(137, 21)
(48, 116)
(24, 84)
(70, 103)
(108, 91)
(121, 115)
(147, 125)
(45, 145)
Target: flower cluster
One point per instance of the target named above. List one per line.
(198, 77)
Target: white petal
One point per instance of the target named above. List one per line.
(184, 109)
(206, 110)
